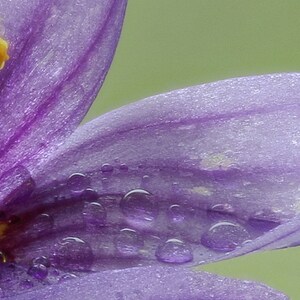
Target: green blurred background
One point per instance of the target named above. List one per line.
(169, 44)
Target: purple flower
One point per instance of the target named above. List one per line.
(121, 207)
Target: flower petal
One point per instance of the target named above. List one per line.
(220, 161)
(154, 283)
(60, 53)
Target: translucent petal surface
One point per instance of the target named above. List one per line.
(219, 160)
(60, 53)
(154, 283)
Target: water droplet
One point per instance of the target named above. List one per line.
(224, 236)
(123, 168)
(174, 251)
(41, 260)
(94, 214)
(38, 271)
(176, 213)
(221, 210)
(67, 277)
(78, 182)
(146, 178)
(128, 242)
(72, 253)
(41, 224)
(264, 220)
(107, 168)
(139, 205)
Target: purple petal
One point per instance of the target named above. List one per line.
(219, 162)
(60, 54)
(154, 283)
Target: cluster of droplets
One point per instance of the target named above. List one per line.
(137, 225)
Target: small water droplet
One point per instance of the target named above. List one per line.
(41, 224)
(41, 260)
(220, 210)
(174, 251)
(128, 242)
(67, 277)
(224, 236)
(176, 213)
(146, 178)
(107, 168)
(38, 271)
(94, 214)
(72, 253)
(139, 205)
(123, 168)
(78, 182)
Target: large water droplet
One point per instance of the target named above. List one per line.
(128, 243)
(72, 253)
(264, 220)
(176, 213)
(174, 251)
(139, 205)
(224, 236)
(94, 215)
(78, 182)
(38, 271)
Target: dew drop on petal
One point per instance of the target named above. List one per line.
(225, 236)
(41, 260)
(139, 205)
(78, 182)
(128, 242)
(176, 213)
(94, 214)
(107, 168)
(38, 271)
(264, 220)
(174, 251)
(123, 168)
(72, 253)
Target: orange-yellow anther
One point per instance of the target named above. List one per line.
(3, 53)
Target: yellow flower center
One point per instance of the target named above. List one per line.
(3, 53)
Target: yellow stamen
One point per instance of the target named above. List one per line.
(3, 53)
